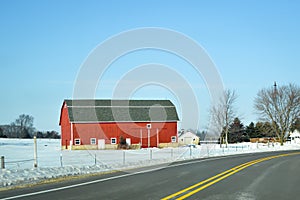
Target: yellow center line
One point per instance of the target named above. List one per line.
(219, 177)
(205, 181)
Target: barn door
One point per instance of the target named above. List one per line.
(188, 140)
(101, 144)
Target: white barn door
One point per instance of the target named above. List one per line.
(101, 144)
(128, 141)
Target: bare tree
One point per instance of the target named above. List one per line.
(222, 114)
(280, 106)
(25, 124)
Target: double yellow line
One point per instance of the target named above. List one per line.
(189, 191)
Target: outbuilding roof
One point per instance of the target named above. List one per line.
(106, 110)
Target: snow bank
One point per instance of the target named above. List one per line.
(55, 163)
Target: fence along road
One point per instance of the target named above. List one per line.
(50, 155)
(253, 176)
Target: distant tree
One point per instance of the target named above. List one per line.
(296, 125)
(25, 124)
(264, 129)
(25, 134)
(237, 132)
(269, 130)
(279, 106)
(48, 134)
(39, 134)
(52, 134)
(13, 131)
(222, 114)
(56, 135)
(1, 133)
(251, 130)
(4, 131)
(201, 134)
(260, 130)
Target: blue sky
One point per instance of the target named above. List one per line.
(44, 43)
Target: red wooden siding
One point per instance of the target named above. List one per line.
(65, 126)
(132, 130)
(106, 131)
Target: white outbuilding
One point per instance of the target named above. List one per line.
(188, 138)
(295, 137)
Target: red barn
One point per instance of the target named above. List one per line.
(99, 124)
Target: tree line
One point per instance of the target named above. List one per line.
(237, 132)
(23, 127)
(278, 108)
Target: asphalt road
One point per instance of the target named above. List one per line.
(241, 177)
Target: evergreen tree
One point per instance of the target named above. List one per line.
(237, 132)
(265, 130)
(251, 130)
(296, 125)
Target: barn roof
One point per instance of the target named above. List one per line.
(106, 110)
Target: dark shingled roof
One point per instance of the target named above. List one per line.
(121, 110)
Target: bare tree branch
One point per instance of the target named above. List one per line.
(279, 106)
(223, 113)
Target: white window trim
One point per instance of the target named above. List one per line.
(95, 141)
(77, 139)
(173, 139)
(111, 140)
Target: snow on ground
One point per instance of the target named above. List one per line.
(54, 162)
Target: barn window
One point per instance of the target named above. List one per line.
(173, 139)
(77, 141)
(93, 141)
(113, 140)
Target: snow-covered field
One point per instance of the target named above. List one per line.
(54, 163)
